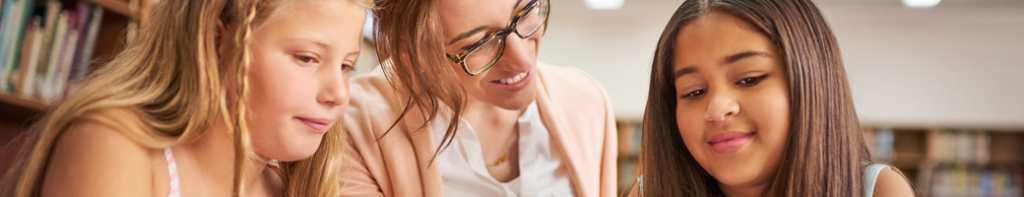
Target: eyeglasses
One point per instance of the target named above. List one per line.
(484, 53)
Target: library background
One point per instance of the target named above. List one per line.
(45, 45)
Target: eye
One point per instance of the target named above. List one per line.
(347, 67)
(694, 95)
(306, 59)
(750, 81)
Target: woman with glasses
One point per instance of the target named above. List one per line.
(462, 107)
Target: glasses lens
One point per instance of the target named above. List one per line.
(533, 20)
(485, 56)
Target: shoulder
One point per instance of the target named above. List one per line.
(373, 102)
(92, 158)
(892, 183)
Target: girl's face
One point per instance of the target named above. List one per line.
(301, 55)
(733, 103)
(509, 84)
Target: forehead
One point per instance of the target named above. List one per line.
(711, 37)
(458, 16)
(326, 22)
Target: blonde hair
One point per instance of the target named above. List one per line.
(175, 86)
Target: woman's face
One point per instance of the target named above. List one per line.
(301, 57)
(733, 99)
(510, 83)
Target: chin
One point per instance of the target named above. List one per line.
(518, 101)
(737, 177)
(299, 151)
(515, 104)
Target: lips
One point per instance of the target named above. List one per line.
(513, 80)
(514, 83)
(729, 141)
(320, 125)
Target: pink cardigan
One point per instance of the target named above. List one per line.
(573, 106)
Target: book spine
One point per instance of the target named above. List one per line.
(90, 41)
(27, 86)
(18, 74)
(53, 62)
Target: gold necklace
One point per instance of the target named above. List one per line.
(500, 161)
(504, 158)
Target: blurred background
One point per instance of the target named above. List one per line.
(938, 85)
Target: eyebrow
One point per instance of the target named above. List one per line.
(315, 42)
(684, 71)
(734, 58)
(728, 60)
(467, 34)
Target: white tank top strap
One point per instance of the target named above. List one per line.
(640, 183)
(870, 176)
(172, 171)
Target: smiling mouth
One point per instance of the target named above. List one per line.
(320, 125)
(730, 141)
(512, 80)
(514, 83)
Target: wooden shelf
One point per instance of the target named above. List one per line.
(17, 111)
(119, 6)
(21, 102)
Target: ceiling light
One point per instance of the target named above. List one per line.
(604, 4)
(920, 3)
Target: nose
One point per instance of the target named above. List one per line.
(722, 105)
(520, 54)
(334, 88)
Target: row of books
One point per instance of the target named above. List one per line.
(958, 146)
(880, 143)
(961, 180)
(629, 151)
(44, 45)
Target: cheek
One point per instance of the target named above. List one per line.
(769, 108)
(473, 84)
(276, 90)
(690, 121)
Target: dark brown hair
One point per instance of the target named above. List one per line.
(825, 153)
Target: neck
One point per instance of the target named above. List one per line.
(737, 191)
(483, 116)
(212, 156)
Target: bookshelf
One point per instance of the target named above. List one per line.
(938, 161)
(106, 22)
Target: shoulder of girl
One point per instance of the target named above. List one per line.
(94, 159)
(892, 183)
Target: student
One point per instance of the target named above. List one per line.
(202, 103)
(750, 98)
(462, 107)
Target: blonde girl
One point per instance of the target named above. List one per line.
(202, 103)
(750, 98)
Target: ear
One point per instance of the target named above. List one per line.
(223, 38)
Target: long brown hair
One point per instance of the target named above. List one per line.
(174, 85)
(410, 45)
(826, 151)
